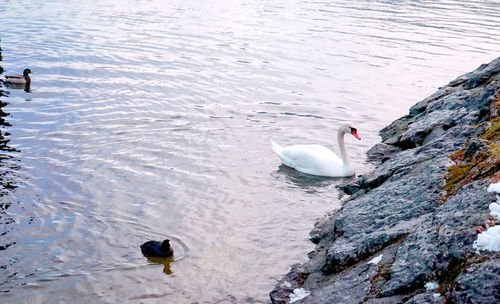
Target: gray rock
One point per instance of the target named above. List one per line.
(382, 152)
(483, 74)
(474, 146)
(366, 227)
(443, 243)
(426, 298)
(350, 187)
(480, 283)
(400, 210)
(323, 227)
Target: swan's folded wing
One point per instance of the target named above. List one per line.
(309, 158)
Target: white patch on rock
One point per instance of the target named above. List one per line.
(376, 260)
(431, 286)
(488, 240)
(298, 294)
(494, 188)
(436, 295)
(495, 209)
(287, 284)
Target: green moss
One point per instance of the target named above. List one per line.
(493, 132)
(481, 165)
(456, 175)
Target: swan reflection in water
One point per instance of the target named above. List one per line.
(164, 261)
(311, 184)
(303, 179)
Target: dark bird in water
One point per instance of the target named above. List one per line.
(157, 249)
(20, 79)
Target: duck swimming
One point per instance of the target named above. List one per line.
(20, 79)
(319, 160)
(157, 249)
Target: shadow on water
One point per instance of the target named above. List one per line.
(307, 181)
(9, 164)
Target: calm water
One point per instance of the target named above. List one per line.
(152, 119)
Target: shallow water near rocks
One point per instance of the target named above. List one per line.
(152, 120)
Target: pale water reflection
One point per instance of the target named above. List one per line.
(152, 119)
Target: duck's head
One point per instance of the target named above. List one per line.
(350, 128)
(26, 72)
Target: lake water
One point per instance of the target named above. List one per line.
(152, 120)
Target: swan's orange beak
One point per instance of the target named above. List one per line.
(355, 134)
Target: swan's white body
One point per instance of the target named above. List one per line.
(316, 159)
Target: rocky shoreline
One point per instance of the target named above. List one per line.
(406, 233)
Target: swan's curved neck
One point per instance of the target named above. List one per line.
(343, 153)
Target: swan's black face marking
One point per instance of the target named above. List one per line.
(354, 132)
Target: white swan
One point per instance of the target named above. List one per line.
(316, 159)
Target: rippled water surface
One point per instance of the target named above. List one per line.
(152, 119)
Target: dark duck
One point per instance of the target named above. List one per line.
(157, 249)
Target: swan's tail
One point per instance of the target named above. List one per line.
(276, 148)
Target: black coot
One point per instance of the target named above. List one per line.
(157, 249)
